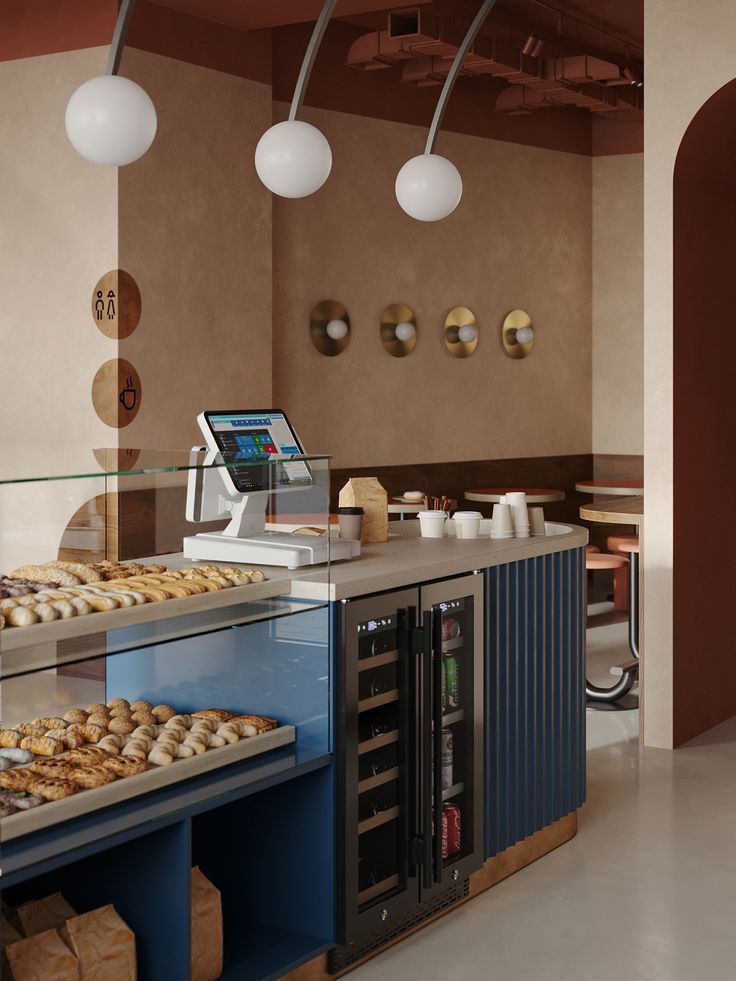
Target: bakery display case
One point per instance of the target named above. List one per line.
(141, 691)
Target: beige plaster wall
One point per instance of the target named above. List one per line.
(673, 98)
(618, 304)
(58, 235)
(195, 232)
(520, 238)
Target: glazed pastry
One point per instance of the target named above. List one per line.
(261, 723)
(21, 616)
(215, 715)
(50, 722)
(118, 703)
(96, 707)
(44, 574)
(163, 712)
(157, 756)
(120, 712)
(9, 739)
(31, 729)
(42, 745)
(230, 733)
(124, 725)
(125, 766)
(85, 573)
(99, 719)
(87, 754)
(17, 779)
(59, 734)
(90, 777)
(92, 733)
(53, 789)
(73, 740)
(81, 605)
(16, 755)
(53, 768)
(76, 715)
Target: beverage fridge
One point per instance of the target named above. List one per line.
(410, 752)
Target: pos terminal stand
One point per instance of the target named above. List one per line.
(245, 540)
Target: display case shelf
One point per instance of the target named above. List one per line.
(377, 742)
(384, 817)
(454, 791)
(376, 701)
(379, 661)
(452, 645)
(378, 889)
(370, 783)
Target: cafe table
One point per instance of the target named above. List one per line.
(534, 495)
(611, 487)
(621, 511)
(402, 507)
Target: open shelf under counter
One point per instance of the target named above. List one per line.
(264, 952)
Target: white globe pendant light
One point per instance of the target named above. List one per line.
(429, 187)
(111, 120)
(293, 158)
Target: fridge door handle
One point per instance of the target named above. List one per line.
(436, 660)
(407, 684)
(427, 768)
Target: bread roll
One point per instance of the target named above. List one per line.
(135, 749)
(76, 715)
(44, 574)
(163, 712)
(179, 720)
(123, 725)
(66, 608)
(230, 733)
(16, 755)
(143, 718)
(102, 604)
(118, 703)
(96, 707)
(85, 573)
(208, 725)
(120, 712)
(81, 605)
(141, 706)
(183, 751)
(98, 719)
(159, 757)
(21, 616)
(196, 744)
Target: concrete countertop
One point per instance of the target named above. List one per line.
(406, 559)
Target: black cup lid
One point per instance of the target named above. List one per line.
(350, 511)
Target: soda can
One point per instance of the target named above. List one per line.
(447, 758)
(451, 833)
(452, 683)
(444, 687)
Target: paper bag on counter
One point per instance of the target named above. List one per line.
(367, 493)
(206, 928)
(104, 946)
(43, 957)
(8, 935)
(40, 915)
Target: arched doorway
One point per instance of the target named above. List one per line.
(704, 377)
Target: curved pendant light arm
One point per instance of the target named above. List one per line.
(454, 72)
(306, 70)
(118, 36)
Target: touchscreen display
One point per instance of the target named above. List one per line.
(249, 436)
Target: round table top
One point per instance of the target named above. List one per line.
(403, 508)
(534, 495)
(611, 486)
(627, 511)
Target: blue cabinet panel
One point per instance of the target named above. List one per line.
(535, 695)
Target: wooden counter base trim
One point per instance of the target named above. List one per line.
(495, 870)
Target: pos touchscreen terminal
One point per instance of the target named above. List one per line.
(241, 492)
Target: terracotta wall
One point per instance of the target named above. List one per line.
(195, 232)
(673, 99)
(618, 304)
(521, 237)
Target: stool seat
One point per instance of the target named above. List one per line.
(605, 561)
(630, 547)
(589, 549)
(614, 542)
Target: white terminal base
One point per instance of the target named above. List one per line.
(269, 548)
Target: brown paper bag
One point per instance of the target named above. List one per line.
(40, 915)
(367, 493)
(8, 935)
(43, 957)
(206, 928)
(104, 945)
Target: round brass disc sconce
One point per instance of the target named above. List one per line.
(461, 332)
(398, 330)
(116, 304)
(329, 327)
(518, 334)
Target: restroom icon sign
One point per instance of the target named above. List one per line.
(116, 304)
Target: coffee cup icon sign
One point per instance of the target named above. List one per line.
(128, 395)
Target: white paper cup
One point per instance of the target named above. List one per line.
(502, 525)
(432, 523)
(517, 502)
(467, 523)
(536, 520)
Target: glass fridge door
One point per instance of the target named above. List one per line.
(455, 789)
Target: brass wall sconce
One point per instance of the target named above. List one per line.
(398, 330)
(518, 334)
(329, 326)
(461, 332)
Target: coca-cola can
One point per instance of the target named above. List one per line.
(447, 757)
(451, 836)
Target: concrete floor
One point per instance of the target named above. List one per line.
(646, 891)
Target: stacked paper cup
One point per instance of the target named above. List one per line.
(502, 524)
(516, 500)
